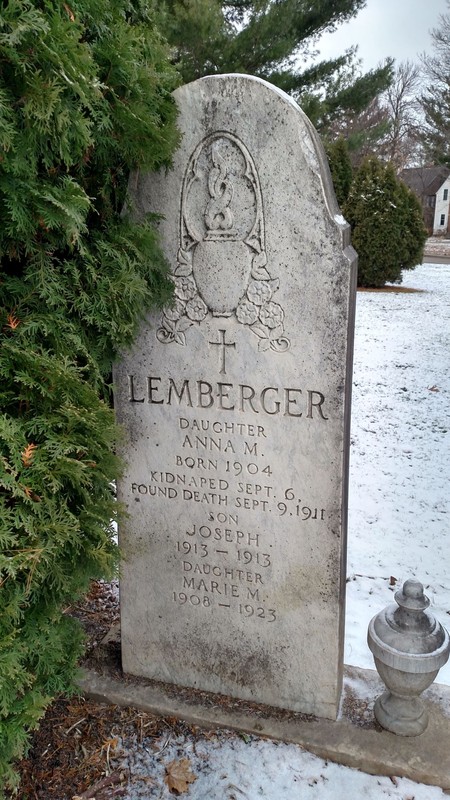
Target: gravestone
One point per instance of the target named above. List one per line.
(235, 403)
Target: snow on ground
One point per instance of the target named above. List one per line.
(398, 527)
(229, 767)
(399, 504)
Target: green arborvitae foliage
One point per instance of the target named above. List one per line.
(413, 226)
(272, 40)
(85, 96)
(387, 227)
(340, 168)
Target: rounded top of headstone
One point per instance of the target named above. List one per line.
(411, 597)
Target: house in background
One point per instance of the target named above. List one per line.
(432, 187)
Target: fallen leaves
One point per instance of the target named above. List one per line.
(179, 776)
(110, 744)
(69, 753)
(76, 751)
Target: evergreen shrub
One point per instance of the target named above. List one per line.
(85, 95)
(388, 231)
(340, 168)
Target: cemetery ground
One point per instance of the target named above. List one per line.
(398, 528)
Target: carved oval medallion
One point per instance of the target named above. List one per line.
(221, 220)
(221, 261)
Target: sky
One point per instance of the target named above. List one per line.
(397, 28)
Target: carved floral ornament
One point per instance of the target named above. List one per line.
(221, 262)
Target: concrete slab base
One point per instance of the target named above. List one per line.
(355, 739)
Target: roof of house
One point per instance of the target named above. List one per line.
(425, 180)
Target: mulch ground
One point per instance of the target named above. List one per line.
(72, 753)
(72, 756)
(391, 289)
(75, 752)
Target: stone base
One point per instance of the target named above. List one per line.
(405, 716)
(355, 740)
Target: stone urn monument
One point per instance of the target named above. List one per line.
(409, 647)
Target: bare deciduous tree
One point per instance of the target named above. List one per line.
(390, 126)
(401, 100)
(435, 100)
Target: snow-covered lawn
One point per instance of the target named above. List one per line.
(229, 767)
(399, 505)
(398, 528)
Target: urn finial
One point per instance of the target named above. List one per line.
(411, 596)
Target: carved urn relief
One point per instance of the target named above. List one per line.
(211, 277)
(221, 262)
(222, 221)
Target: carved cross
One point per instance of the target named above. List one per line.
(223, 344)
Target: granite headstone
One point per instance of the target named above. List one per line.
(235, 403)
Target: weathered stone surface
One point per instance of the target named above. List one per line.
(235, 403)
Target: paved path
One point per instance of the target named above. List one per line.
(437, 251)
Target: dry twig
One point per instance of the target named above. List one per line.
(104, 783)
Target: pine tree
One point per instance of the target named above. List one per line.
(345, 97)
(436, 139)
(85, 95)
(436, 99)
(387, 227)
(340, 168)
(272, 40)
